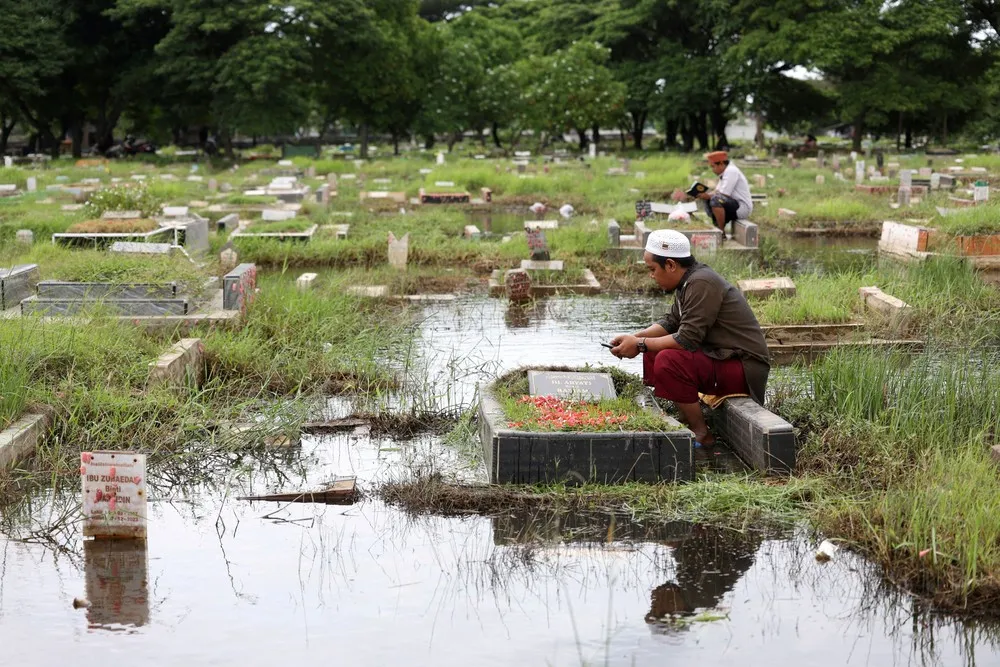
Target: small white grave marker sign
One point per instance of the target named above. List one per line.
(114, 494)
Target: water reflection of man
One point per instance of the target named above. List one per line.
(709, 342)
(709, 564)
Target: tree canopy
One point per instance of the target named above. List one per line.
(438, 69)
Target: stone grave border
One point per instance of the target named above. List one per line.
(98, 239)
(281, 236)
(590, 286)
(527, 457)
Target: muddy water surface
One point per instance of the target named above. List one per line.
(228, 582)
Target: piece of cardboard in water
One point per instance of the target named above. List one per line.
(114, 494)
(571, 384)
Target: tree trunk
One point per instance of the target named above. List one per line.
(670, 134)
(429, 141)
(719, 122)
(364, 141)
(395, 144)
(687, 135)
(638, 125)
(5, 130)
(583, 139)
(859, 131)
(76, 130)
(700, 121)
(227, 142)
(909, 135)
(621, 136)
(758, 137)
(597, 135)
(944, 130)
(496, 135)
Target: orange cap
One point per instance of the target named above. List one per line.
(717, 156)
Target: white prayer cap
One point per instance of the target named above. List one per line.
(668, 243)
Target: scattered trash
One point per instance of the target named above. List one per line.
(566, 211)
(826, 551)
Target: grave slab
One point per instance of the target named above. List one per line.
(228, 223)
(128, 307)
(136, 248)
(541, 224)
(746, 233)
(56, 289)
(522, 457)
(762, 288)
(369, 291)
(896, 311)
(540, 265)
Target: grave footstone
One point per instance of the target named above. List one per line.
(538, 246)
(399, 250)
(25, 237)
(821, 158)
(820, 179)
(32, 184)
(935, 181)
(440, 158)
(925, 172)
(981, 192)
(859, 171)
(517, 285)
(760, 180)
(903, 195)
(311, 171)
(571, 385)
(213, 185)
(228, 223)
(229, 258)
(906, 178)
(836, 163)
(225, 187)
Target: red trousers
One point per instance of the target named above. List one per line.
(678, 375)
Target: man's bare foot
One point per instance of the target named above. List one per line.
(706, 439)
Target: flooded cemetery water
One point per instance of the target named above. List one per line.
(225, 582)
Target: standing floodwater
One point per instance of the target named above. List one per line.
(228, 582)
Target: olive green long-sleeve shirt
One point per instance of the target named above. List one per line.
(711, 315)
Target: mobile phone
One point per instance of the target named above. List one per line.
(607, 345)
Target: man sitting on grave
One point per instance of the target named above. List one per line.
(730, 201)
(709, 342)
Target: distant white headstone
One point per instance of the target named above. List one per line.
(859, 171)
(32, 184)
(440, 158)
(593, 151)
(398, 250)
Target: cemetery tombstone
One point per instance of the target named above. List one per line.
(904, 194)
(981, 191)
(517, 285)
(398, 251)
(538, 246)
(114, 494)
(836, 163)
(32, 184)
(25, 237)
(239, 287)
(213, 185)
(821, 158)
(571, 385)
(906, 178)
(859, 171)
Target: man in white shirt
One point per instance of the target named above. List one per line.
(730, 201)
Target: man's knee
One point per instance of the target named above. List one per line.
(673, 364)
